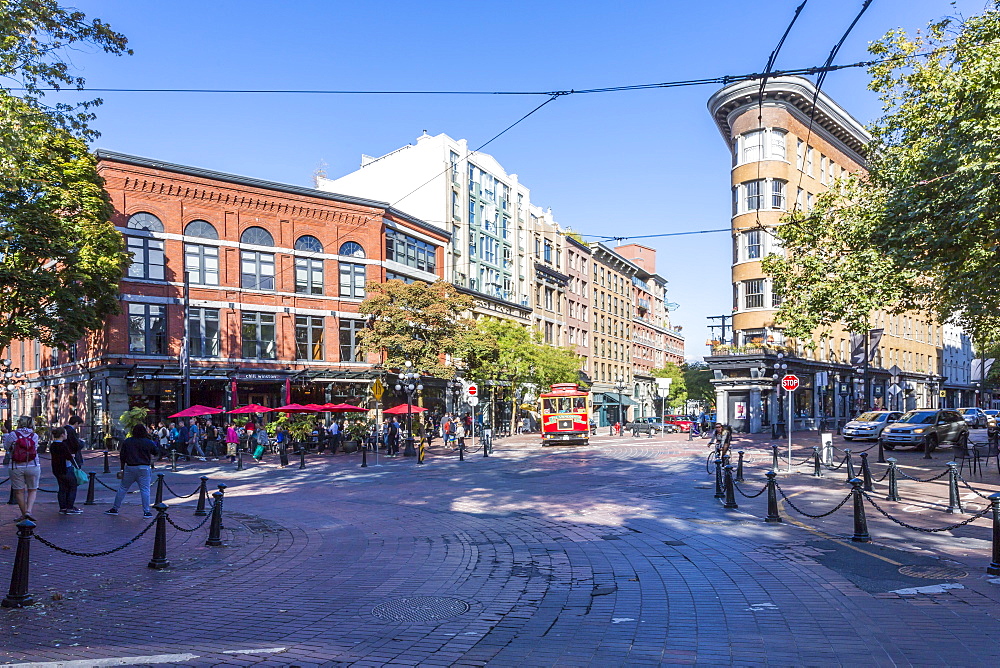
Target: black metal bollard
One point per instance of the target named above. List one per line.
(954, 502)
(866, 472)
(817, 466)
(893, 481)
(860, 521)
(364, 456)
(420, 452)
(881, 452)
(739, 466)
(239, 459)
(730, 489)
(772, 498)
(302, 456)
(994, 567)
(486, 451)
(159, 488)
(719, 492)
(159, 560)
(461, 450)
(849, 465)
(215, 525)
(107, 464)
(17, 595)
(202, 498)
(90, 488)
(774, 458)
(284, 455)
(173, 461)
(927, 451)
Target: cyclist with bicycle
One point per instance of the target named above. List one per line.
(722, 438)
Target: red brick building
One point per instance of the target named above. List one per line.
(269, 304)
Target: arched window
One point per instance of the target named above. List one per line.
(352, 249)
(309, 244)
(201, 228)
(145, 221)
(256, 236)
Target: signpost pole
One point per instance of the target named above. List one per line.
(791, 402)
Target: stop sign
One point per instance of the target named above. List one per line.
(790, 382)
(472, 390)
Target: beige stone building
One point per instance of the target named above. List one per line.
(781, 161)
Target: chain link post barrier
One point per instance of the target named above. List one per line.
(302, 456)
(893, 481)
(774, 458)
(239, 459)
(92, 477)
(817, 464)
(861, 534)
(215, 528)
(866, 472)
(159, 560)
(881, 451)
(420, 451)
(173, 460)
(730, 489)
(772, 498)
(486, 450)
(739, 466)
(364, 455)
(17, 595)
(202, 498)
(461, 450)
(994, 567)
(720, 493)
(107, 463)
(849, 464)
(159, 488)
(954, 502)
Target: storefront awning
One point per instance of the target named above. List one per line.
(613, 399)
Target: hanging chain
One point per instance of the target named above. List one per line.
(802, 512)
(981, 513)
(95, 554)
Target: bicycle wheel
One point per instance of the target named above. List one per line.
(710, 463)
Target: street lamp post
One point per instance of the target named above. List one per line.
(409, 382)
(780, 369)
(620, 386)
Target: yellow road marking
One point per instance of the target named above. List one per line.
(821, 534)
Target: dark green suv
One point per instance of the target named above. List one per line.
(926, 429)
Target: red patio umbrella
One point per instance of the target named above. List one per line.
(345, 408)
(295, 408)
(319, 408)
(403, 409)
(196, 410)
(252, 408)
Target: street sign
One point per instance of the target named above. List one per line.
(472, 401)
(472, 389)
(942, 394)
(378, 389)
(790, 382)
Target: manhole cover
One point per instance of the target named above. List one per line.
(933, 572)
(420, 608)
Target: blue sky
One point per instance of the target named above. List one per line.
(629, 163)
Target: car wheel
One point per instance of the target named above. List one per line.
(848, 438)
(930, 443)
(888, 446)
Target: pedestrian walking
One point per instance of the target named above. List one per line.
(393, 434)
(335, 434)
(136, 455)
(232, 442)
(194, 441)
(23, 467)
(213, 441)
(62, 454)
(460, 433)
(263, 440)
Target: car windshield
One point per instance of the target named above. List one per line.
(919, 417)
(993, 413)
(870, 417)
(969, 411)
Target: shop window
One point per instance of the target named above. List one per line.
(203, 327)
(259, 335)
(308, 337)
(349, 350)
(147, 329)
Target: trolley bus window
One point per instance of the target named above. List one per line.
(580, 403)
(549, 404)
(564, 405)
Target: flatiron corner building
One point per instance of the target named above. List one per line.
(779, 162)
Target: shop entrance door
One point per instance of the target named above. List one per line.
(261, 400)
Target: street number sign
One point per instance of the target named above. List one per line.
(472, 390)
(790, 382)
(472, 401)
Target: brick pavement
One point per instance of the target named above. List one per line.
(613, 554)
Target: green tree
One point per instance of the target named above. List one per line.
(678, 383)
(919, 230)
(554, 364)
(419, 322)
(698, 381)
(58, 248)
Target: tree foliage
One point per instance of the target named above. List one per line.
(507, 351)
(60, 255)
(419, 322)
(678, 384)
(922, 228)
(698, 381)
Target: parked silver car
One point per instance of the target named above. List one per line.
(926, 429)
(869, 425)
(974, 417)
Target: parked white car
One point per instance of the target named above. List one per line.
(869, 425)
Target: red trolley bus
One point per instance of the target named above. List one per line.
(565, 415)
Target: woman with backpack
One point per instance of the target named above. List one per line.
(23, 467)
